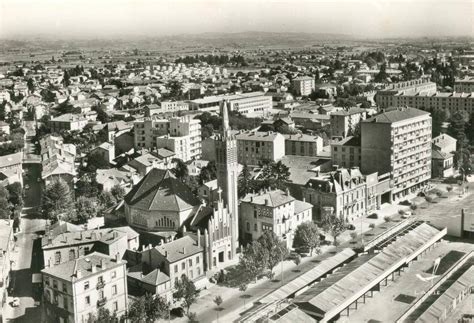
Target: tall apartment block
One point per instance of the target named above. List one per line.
(180, 135)
(398, 142)
(304, 85)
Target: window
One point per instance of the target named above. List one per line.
(64, 287)
(198, 271)
(72, 254)
(86, 250)
(191, 274)
(175, 268)
(197, 260)
(248, 226)
(114, 274)
(115, 306)
(255, 214)
(190, 262)
(65, 305)
(101, 294)
(183, 265)
(255, 227)
(55, 284)
(57, 257)
(114, 290)
(88, 300)
(100, 280)
(86, 285)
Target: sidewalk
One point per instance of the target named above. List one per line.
(233, 299)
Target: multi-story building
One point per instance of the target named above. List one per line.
(180, 135)
(256, 147)
(11, 168)
(442, 156)
(67, 246)
(303, 145)
(74, 291)
(190, 128)
(273, 210)
(346, 153)
(343, 190)
(422, 95)
(183, 256)
(345, 122)
(148, 130)
(69, 122)
(465, 84)
(398, 142)
(253, 103)
(303, 85)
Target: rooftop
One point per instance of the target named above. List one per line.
(83, 267)
(272, 198)
(396, 115)
(179, 249)
(160, 190)
(258, 136)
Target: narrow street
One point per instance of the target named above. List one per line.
(26, 255)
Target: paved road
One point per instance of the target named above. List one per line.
(24, 256)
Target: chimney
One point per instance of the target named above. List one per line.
(266, 202)
(78, 274)
(93, 268)
(117, 257)
(184, 250)
(102, 264)
(115, 234)
(304, 199)
(166, 254)
(287, 191)
(150, 246)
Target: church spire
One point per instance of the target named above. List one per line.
(225, 119)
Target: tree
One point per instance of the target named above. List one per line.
(181, 169)
(208, 173)
(186, 292)
(15, 194)
(307, 236)
(176, 88)
(245, 182)
(86, 208)
(156, 307)
(31, 85)
(382, 74)
(4, 204)
(57, 200)
(253, 260)
(118, 192)
(334, 225)
(276, 248)
(103, 316)
(276, 174)
(438, 117)
(137, 311)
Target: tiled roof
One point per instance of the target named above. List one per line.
(159, 190)
(83, 265)
(272, 198)
(179, 249)
(12, 159)
(154, 277)
(396, 115)
(258, 136)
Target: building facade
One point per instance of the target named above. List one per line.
(256, 147)
(465, 84)
(273, 210)
(74, 291)
(347, 152)
(398, 142)
(303, 85)
(303, 145)
(344, 123)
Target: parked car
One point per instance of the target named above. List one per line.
(406, 215)
(350, 226)
(15, 302)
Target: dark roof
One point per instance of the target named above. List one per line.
(159, 190)
(396, 115)
(179, 249)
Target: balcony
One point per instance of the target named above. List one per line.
(100, 285)
(101, 302)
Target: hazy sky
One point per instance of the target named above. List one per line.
(365, 18)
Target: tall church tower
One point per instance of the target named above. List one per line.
(228, 173)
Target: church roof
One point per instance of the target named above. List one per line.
(159, 190)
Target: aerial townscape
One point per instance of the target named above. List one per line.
(234, 176)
